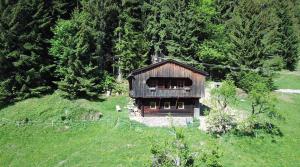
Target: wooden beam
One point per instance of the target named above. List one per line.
(176, 103)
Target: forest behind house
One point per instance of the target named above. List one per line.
(82, 47)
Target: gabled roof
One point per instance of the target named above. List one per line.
(165, 62)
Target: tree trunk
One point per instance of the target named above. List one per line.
(120, 75)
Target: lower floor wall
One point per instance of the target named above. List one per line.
(165, 106)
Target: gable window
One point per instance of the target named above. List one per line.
(180, 105)
(167, 105)
(152, 105)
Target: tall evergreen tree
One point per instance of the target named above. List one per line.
(78, 49)
(215, 48)
(111, 18)
(130, 46)
(253, 31)
(288, 33)
(175, 28)
(25, 67)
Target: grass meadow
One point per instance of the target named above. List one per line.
(32, 133)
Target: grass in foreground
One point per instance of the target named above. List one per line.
(115, 141)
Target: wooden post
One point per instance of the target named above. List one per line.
(143, 110)
(196, 109)
(140, 103)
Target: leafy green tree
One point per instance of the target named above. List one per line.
(77, 48)
(224, 94)
(247, 80)
(261, 99)
(263, 111)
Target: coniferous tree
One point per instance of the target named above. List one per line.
(175, 29)
(288, 33)
(25, 67)
(130, 44)
(253, 31)
(78, 49)
(111, 18)
(216, 47)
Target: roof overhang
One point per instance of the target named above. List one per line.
(134, 72)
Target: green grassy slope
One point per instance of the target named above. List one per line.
(268, 151)
(288, 80)
(112, 141)
(115, 141)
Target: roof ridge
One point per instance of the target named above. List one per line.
(164, 62)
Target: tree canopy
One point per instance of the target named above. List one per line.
(77, 46)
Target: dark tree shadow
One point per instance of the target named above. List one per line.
(204, 110)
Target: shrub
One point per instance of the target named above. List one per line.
(246, 80)
(263, 112)
(172, 153)
(175, 152)
(109, 82)
(219, 122)
(254, 126)
(120, 88)
(211, 159)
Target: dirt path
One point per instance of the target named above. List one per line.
(292, 91)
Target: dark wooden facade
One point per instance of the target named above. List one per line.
(167, 82)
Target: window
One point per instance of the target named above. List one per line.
(180, 105)
(152, 83)
(167, 105)
(152, 105)
(168, 84)
(180, 83)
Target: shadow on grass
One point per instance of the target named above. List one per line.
(4, 105)
(204, 110)
(260, 130)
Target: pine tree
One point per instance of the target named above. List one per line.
(174, 29)
(25, 66)
(253, 31)
(215, 48)
(288, 33)
(111, 18)
(130, 46)
(77, 47)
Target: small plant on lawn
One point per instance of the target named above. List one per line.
(109, 82)
(211, 158)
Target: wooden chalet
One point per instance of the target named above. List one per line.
(167, 87)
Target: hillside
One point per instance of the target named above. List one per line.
(45, 140)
